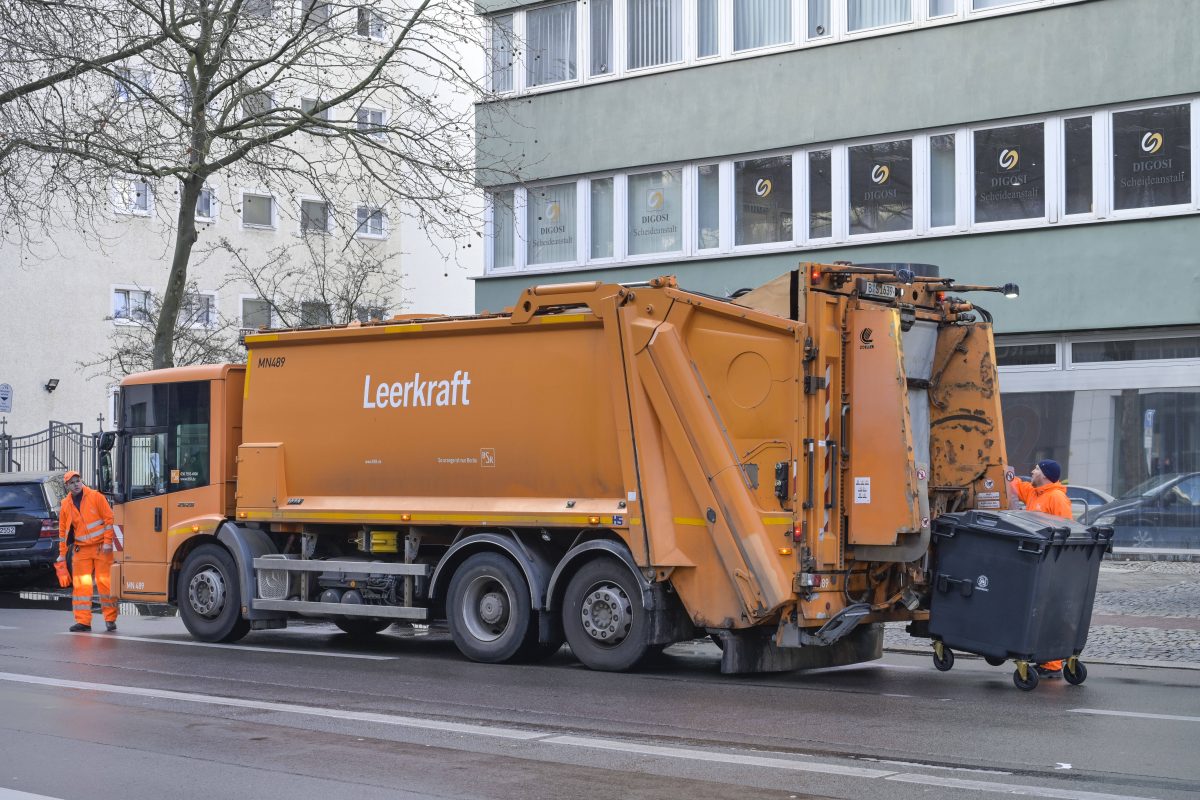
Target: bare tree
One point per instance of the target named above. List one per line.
(352, 103)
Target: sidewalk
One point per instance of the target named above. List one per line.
(1147, 613)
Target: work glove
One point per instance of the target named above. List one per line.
(60, 569)
(106, 549)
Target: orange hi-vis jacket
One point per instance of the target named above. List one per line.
(1049, 499)
(93, 521)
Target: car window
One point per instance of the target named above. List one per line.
(23, 498)
(1149, 486)
(1190, 489)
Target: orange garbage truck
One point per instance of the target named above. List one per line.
(619, 467)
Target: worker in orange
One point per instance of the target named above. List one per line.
(1043, 492)
(87, 514)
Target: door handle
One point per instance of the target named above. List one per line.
(158, 520)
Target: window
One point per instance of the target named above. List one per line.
(762, 200)
(371, 223)
(256, 313)
(367, 313)
(206, 204)
(1010, 175)
(708, 31)
(1026, 355)
(314, 216)
(132, 196)
(550, 221)
(1077, 165)
(259, 8)
(256, 104)
(132, 84)
(820, 194)
(130, 305)
(550, 40)
(655, 32)
(708, 217)
(600, 18)
(314, 313)
(308, 106)
(370, 122)
(941, 180)
(941, 8)
(503, 223)
(1152, 156)
(501, 53)
(371, 25)
(258, 211)
(655, 212)
(1135, 350)
(602, 218)
(881, 187)
(761, 23)
(863, 14)
(167, 449)
(199, 310)
(818, 19)
(316, 13)
(979, 5)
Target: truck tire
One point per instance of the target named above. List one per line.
(603, 617)
(488, 610)
(210, 600)
(359, 628)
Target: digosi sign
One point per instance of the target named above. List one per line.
(417, 393)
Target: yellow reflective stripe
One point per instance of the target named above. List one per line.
(690, 521)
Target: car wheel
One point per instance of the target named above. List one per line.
(209, 597)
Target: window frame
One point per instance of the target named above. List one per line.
(211, 294)
(383, 122)
(1109, 190)
(360, 231)
(301, 199)
(117, 193)
(127, 288)
(274, 224)
(214, 205)
(242, 298)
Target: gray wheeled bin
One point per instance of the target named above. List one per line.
(1014, 585)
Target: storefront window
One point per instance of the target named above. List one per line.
(602, 218)
(502, 229)
(763, 200)
(550, 224)
(656, 212)
(708, 227)
(881, 187)
(820, 194)
(1152, 154)
(941, 180)
(1010, 173)
(1077, 169)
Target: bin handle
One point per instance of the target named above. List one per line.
(965, 586)
(1031, 547)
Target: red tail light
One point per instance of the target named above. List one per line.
(49, 529)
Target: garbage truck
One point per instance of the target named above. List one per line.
(615, 466)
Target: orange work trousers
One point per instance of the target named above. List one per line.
(86, 563)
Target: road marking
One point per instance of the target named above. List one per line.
(13, 794)
(1010, 788)
(1138, 714)
(723, 758)
(8, 628)
(251, 648)
(285, 708)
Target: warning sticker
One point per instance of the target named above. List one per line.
(862, 490)
(987, 495)
(987, 504)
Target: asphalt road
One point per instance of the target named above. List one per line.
(308, 713)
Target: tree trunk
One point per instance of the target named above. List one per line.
(173, 296)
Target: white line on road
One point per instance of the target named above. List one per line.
(7, 628)
(13, 794)
(1009, 788)
(285, 708)
(1137, 714)
(251, 648)
(712, 756)
(546, 737)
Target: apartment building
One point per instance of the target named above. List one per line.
(1048, 143)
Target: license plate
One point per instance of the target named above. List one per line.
(884, 291)
(8, 530)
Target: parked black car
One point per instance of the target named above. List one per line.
(29, 504)
(1163, 511)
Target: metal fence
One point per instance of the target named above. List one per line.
(61, 446)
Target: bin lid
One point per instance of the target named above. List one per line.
(1033, 525)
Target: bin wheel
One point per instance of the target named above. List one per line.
(1077, 675)
(943, 658)
(993, 661)
(1029, 682)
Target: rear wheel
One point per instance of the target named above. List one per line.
(361, 628)
(209, 596)
(943, 658)
(489, 610)
(603, 617)
(1029, 682)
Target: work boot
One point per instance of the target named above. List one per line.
(79, 627)
(110, 626)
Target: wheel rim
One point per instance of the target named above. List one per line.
(486, 608)
(206, 592)
(606, 614)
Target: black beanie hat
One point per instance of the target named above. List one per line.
(1050, 469)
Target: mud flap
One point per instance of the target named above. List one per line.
(754, 651)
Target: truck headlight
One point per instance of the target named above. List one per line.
(1107, 519)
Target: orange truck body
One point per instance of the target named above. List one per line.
(763, 470)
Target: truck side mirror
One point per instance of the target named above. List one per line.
(107, 440)
(105, 478)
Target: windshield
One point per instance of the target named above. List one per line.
(23, 498)
(1150, 486)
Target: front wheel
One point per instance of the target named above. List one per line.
(1074, 671)
(489, 611)
(603, 618)
(210, 600)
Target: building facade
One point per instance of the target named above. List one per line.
(1049, 143)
